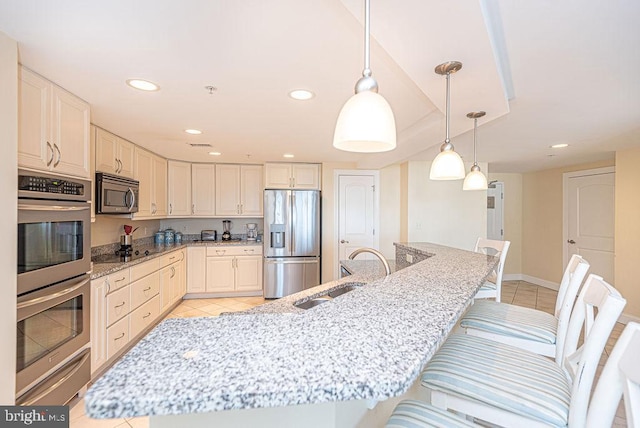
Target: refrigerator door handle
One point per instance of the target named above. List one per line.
(291, 262)
(293, 222)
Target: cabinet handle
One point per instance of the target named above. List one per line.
(120, 305)
(172, 257)
(153, 207)
(108, 287)
(249, 251)
(293, 179)
(170, 208)
(119, 337)
(121, 279)
(241, 208)
(55, 146)
(173, 271)
(221, 252)
(52, 153)
(146, 316)
(146, 289)
(193, 208)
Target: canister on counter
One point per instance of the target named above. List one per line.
(169, 236)
(178, 238)
(158, 238)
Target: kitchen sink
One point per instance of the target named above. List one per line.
(312, 303)
(341, 291)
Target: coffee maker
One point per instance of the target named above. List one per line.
(226, 226)
(252, 231)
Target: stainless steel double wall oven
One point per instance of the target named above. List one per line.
(54, 261)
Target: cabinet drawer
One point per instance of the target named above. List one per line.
(144, 289)
(117, 336)
(119, 279)
(142, 317)
(144, 269)
(172, 257)
(118, 305)
(239, 250)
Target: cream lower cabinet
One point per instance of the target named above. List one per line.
(126, 303)
(236, 270)
(196, 269)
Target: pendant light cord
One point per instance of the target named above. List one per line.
(367, 47)
(448, 113)
(475, 127)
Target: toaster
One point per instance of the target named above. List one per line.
(208, 235)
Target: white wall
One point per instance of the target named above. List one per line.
(8, 188)
(390, 210)
(441, 212)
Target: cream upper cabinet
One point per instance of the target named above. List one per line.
(203, 190)
(151, 171)
(239, 190)
(292, 176)
(114, 155)
(179, 184)
(53, 130)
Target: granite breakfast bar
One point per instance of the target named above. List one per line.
(278, 365)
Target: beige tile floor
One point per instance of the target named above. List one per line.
(515, 292)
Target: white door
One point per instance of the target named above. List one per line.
(495, 211)
(590, 221)
(357, 213)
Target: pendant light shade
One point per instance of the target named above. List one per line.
(365, 123)
(448, 164)
(475, 180)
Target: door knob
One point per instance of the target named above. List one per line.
(571, 241)
(342, 241)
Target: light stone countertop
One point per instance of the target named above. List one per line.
(370, 343)
(100, 269)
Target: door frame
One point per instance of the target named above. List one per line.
(565, 202)
(501, 184)
(336, 214)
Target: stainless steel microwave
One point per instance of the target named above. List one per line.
(116, 195)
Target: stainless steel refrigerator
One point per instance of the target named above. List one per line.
(291, 241)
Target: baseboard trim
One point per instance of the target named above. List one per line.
(532, 279)
(624, 318)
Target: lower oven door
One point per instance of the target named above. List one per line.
(52, 328)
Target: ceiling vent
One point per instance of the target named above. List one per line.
(199, 145)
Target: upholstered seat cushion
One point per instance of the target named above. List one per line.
(511, 320)
(416, 414)
(501, 376)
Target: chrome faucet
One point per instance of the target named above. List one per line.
(376, 253)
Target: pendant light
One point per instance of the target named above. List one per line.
(366, 123)
(475, 180)
(447, 165)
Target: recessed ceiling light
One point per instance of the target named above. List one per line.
(559, 146)
(301, 94)
(215, 153)
(193, 131)
(143, 85)
(288, 155)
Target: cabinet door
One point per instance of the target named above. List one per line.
(179, 189)
(125, 156)
(70, 125)
(34, 148)
(227, 190)
(159, 196)
(177, 281)
(98, 323)
(220, 274)
(166, 292)
(106, 151)
(249, 273)
(306, 176)
(251, 190)
(277, 176)
(196, 269)
(143, 172)
(203, 191)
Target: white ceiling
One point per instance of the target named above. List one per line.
(546, 72)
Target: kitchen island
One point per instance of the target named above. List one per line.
(325, 366)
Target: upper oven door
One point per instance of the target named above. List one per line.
(53, 242)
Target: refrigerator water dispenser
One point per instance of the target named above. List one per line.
(277, 235)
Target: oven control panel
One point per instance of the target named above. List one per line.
(50, 186)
